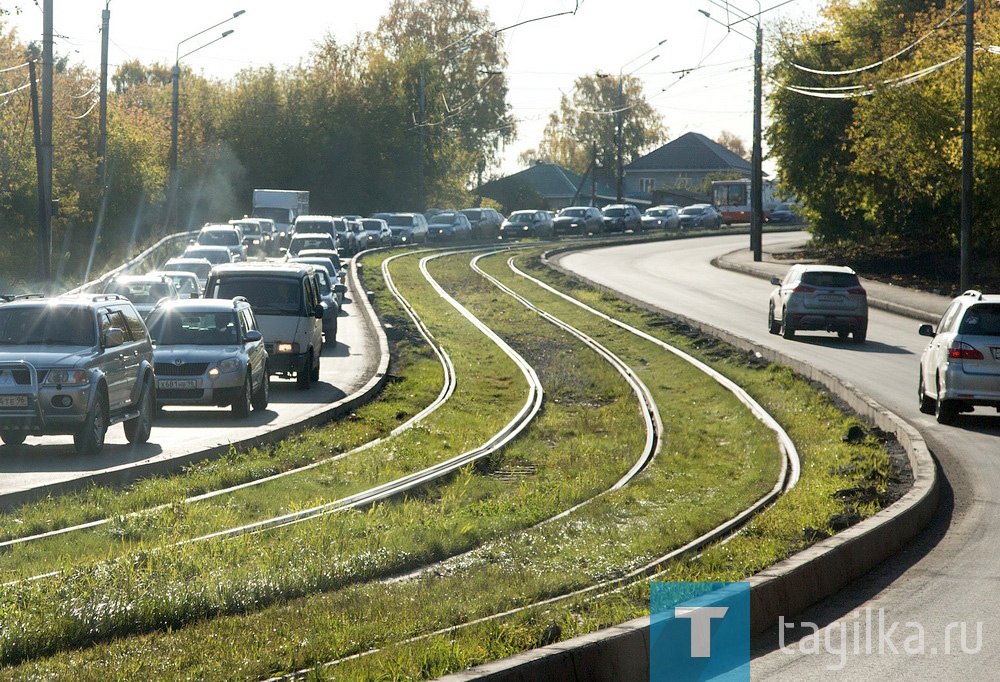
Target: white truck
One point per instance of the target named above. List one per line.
(282, 206)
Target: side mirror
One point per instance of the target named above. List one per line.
(114, 337)
(340, 288)
(253, 335)
(926, 330)
(776, 281)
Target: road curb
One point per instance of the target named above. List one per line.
(128, 473)
(622, 652)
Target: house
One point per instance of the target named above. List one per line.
(547, 186)
(679, 170)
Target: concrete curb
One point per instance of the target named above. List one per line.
(128, 473)
(622, 652)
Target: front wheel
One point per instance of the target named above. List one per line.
(12, 437)
(138, 428)
(89, 440)
(303, 378)
(241, 406)
(927, 404)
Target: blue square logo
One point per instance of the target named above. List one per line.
(699, 631)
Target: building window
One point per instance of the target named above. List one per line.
(646, 185)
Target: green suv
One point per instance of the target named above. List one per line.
(74, 365)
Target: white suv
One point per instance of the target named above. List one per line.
(960, 368)
(819, 297)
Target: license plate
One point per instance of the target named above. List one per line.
(13, 401)
(176, 383)
(831, 299)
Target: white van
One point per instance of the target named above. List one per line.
(286, 301)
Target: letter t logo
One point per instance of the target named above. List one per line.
(701, 626)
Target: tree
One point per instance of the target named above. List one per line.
(733, 143)
(591, 115)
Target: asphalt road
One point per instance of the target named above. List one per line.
(180, 431)
(904, 620)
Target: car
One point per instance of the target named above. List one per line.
(784, 213)
(209, 351)
(578, 220)
(334, 271)
(621, 218)
(700, 215)
(314, 224)
(376, 233)
(819, 297)
(74, 365)
(527, 223)
(199, 266)
(310, 240)
(328, 295)
(286, 302)
(960, 367)
(408, 228)
(347, 238)
(255, 239)
(187, 284)
(328, 254)
(145, 291)
(230, 236)
(216, 255)
(661, 218)
(485, 222)
(449, 226)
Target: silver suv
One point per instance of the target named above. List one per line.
(819, 297)
(209, 351)
(74, 365)
(960, 367)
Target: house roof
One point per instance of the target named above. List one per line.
(691, 152)
(550, 180)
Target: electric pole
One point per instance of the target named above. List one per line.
(965, 267)
(45, 231)
(756, 170)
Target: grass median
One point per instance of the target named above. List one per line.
(318, 592)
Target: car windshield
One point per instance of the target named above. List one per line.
(312, 226)
(141, 292)
(267, 295)
(614, 212)
(472, 213)
(197, 328)
(219, 238)
(443, 219)
(212, 256)
(309, 243)
(200, 269)
(45, 325)
(656, 212)
(399, 221)
(692, 210)
(521, 216)
(981, 320)
(372, 225)
(573, 212)
(250, 228)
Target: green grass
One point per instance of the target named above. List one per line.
(247, 608)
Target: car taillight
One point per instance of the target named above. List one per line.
(857, 292)
(963, 351)
(803, 289)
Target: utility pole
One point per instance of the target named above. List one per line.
(45, 233)
(102, 150)
(593, 173)
(965, 267)
(421, 131)
(619, 114)
(756, 170)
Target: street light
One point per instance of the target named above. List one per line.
(175, 75)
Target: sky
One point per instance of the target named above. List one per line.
(699, 79)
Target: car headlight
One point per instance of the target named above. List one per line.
(228, 365)
(66, 377)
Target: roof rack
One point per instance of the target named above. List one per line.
(974, 293)
(20, 297)
(239, 299)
